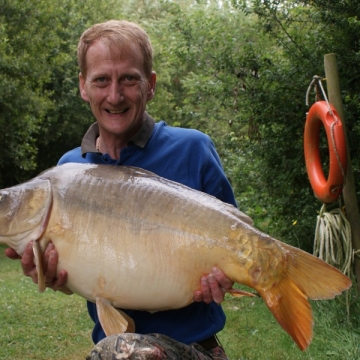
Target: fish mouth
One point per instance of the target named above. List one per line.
(116, 112)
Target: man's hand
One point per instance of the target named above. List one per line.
(213, 287)
(50, 260)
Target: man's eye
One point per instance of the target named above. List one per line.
(101, 79)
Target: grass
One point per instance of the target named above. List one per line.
(39, 326)
(55, 326)
(252, 333)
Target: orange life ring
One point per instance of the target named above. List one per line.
(326, 190)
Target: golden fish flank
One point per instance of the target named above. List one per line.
(134, 219)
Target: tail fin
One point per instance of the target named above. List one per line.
(292, 310)
(306, 277)
(317, 279)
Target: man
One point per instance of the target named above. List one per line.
(117, 81)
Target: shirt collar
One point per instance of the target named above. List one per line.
(140, 139)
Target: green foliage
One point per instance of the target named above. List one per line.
(341, 21)
(22, 104)
(237, 71)
(236, 83)
(41, 114)
(304, 33)
(70, 118)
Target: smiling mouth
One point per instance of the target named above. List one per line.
(115, 112)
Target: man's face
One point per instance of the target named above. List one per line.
(116, 88)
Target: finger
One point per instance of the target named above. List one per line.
(205, 290)
(50, 272)
(198, 296)
(27, 260)
(60, 281)
(217, 292)
(27, 263)
(222, 279)
(49, 248)
(11, 254)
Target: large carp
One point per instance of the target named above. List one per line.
(131, 239)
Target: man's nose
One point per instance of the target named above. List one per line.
(116, 93)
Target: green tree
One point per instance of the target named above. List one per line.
(304, 33)
(214, 68)
(237, 70)
(41, 114)
(23, 104)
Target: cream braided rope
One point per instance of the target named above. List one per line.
(333, 239)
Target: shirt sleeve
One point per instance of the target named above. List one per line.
(215, 181)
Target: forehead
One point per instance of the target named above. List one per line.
(102, 52)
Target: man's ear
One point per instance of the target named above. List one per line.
(152, 86)
(82, 88)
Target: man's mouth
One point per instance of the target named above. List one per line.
(115, 112)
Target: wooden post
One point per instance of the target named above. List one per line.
(349, 191)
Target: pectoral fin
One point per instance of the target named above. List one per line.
(112, 320)
(239, 293)
(39, 268)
